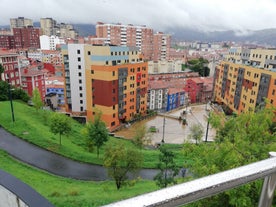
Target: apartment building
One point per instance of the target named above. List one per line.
(129, 35)
(256, 57)
(50, 42)
(20, 22)
(165, 66)
(7, 42)
(244, 87)
(110, 79)
(48, 26)
(33, 77)
(161, 46)
(26, 37)
(11, 73)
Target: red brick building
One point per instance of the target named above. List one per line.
(27, 37)
(199, 89)
(7, 42)
(9, 61)
(33, 77)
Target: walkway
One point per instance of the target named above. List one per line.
(54, 163)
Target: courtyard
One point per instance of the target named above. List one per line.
(170, 129)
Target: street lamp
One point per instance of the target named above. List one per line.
(10, 97)
(163, 131)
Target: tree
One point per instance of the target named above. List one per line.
(121, 161)
(196, 133)
(60, 124)
(167, 167)
(140, 136)
(36, 99)
(240, 140)
(96, 133)
(4, 88)
(1, 69)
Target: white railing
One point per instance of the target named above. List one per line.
(207, 186)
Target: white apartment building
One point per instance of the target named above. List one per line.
(76, 72)
(50, 42)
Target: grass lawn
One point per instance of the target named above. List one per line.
(32, 126)
(68, 192)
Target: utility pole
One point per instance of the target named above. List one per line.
(163, 130)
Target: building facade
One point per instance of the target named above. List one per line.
(244, 87)
(7, 42)
(11, 69)
(26, 37)
(176, 98)
(161, 46)
(33, 77)
(50, 42)
(128, 35)
(110, 79)
(20, 22)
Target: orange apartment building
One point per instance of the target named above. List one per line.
(244, 87)
(109, 79)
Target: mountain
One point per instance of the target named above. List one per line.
(265, 36)
(85, 29)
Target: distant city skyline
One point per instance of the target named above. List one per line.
(162, 15)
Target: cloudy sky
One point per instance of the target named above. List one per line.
(207, 15)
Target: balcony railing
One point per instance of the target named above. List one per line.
(207, 186)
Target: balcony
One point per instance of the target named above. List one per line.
(192, 191)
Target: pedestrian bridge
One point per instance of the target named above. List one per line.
(207, 186)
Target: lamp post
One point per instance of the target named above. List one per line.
(163, 130)
(10, 97)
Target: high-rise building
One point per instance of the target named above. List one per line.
(161, 46)
(48, 26)
(20, 22)
(110, 79)
(129, 35)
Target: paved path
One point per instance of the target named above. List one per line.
(55, 163)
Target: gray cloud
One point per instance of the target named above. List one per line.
(239, 15)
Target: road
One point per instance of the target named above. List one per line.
(54, 163)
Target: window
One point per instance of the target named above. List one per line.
(113, 73)
(80, 94)
(80, 81)
(79, 74)
(78, 51)
(79, 66)
(114, 107)
(106, 62)
(79, 59)
(88, 53)
(114, 115)
(113, 123)
(80, 88)
(81, 101)
(92, 71)
(81, 108)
